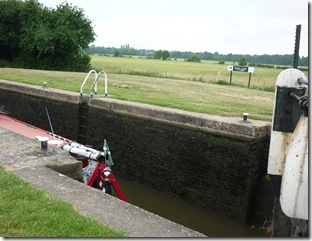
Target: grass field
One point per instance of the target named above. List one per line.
(27, 212)
(206, 71)
(175, 83)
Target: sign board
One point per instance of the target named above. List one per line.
(230, 68)
(251, 69)
(240, 68)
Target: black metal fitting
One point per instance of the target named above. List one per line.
(303, 102)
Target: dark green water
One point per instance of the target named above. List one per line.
(196, 218)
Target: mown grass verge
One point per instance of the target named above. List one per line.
(28, 212)
(216, 99)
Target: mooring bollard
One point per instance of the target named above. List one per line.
(245, 115)
(44, 148)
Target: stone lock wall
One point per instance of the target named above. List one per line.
(28, 103)
(214, 162)
(213, 171)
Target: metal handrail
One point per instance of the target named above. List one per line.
(86, 80)
(94, 85)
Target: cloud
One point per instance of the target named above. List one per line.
(240, 26)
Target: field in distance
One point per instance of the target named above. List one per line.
(206, 71)
(175, 84)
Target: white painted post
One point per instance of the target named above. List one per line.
(294, 196)
(288, 154)
(287, 79)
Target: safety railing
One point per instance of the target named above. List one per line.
(94, 85)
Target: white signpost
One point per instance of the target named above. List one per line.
(240, 69)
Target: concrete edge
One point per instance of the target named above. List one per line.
(40, 91)
(225, 126)
(115, 213)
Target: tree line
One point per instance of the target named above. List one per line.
(276, 59)
(34, 36)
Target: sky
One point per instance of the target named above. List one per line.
(223, 26)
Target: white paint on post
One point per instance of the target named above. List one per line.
(280, 140)
(288, 155)
(295, 187)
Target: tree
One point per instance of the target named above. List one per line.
(46, 38)
(116, 53)
(193, 59)
(162, 54)
(242, 62)
(10, 28)
(165, 54)
(158, 54)
(286, 59)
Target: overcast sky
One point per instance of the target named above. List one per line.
(224, 26)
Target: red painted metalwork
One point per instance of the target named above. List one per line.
(31, 132)
(117, 188)
(98, 176)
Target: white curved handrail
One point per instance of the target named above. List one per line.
(94, 85)
(86, 79)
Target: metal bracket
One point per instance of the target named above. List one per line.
(287, 113)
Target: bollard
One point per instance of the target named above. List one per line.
(245, 116)
(44, 145)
